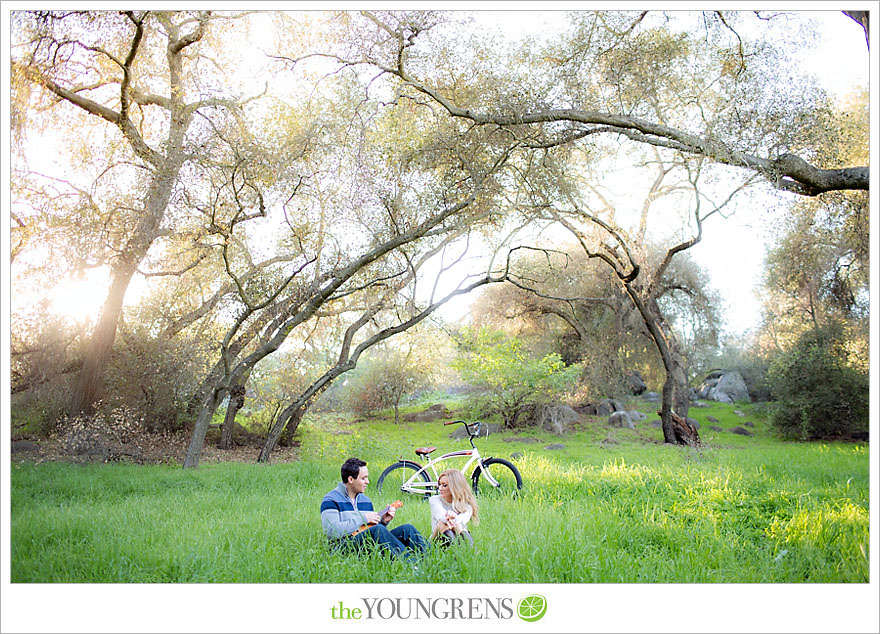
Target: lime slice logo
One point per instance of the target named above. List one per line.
(532, 607)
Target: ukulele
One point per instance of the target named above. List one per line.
(396, 504)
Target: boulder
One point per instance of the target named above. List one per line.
(733, 385)
(587, 409)
(608, 406)
(635, 415)
(516, 455)
(636, 382)
(656, 423)
(557, 419)
(524, 439)
(742, 431)
(711, 419)
(724, 386)
(555, 446)
(651, 397)
(738, 413)
(24, 446)
(716, 428)
(749, 423)
(621, 419)
(699, 404)
(693, 421)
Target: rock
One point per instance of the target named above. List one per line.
(24, 445)
(733, 385)
(609, 406)
(749, 423)
(693, 421)
(656, 423)
(635, 415)
(716, 428)
(651, 397)
(711, 419)
(621, 419)
(516, 455)
(699, 404)
(485, 430)
(556, 419)
(587, 409)
(636, 382)
(555, 446)
(724, 386)
(738, 413)
(742, 431)
(524, 439)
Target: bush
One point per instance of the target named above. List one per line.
(817, 394)
(110, 434)
(517, 383)
(384, 381)
(156, 377)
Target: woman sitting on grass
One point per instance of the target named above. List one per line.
(452, 509)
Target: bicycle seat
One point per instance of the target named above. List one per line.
(424, 451)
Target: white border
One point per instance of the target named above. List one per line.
(306, 607)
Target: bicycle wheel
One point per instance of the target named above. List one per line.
(503, 472)
(398, 474)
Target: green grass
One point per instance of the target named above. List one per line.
(615, 505)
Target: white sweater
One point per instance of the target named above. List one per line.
(439, 508)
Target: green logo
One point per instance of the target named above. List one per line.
(532, 607)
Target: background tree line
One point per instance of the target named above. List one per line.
(288, 227)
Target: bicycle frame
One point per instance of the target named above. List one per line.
(415, 483)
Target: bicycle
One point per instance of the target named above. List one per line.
(501, 476)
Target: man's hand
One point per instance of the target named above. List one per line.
(372, 517)
(389, 515)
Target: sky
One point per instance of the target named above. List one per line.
(732, 249)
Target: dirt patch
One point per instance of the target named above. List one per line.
(148, 448)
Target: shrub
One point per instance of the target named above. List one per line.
(155, 376)
(516, 382)
(817, 394)
(111, 434)
(384, 381)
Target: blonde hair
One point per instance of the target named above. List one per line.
(462, 495)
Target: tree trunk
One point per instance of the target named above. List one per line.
(236, 402)
(290, 427)
(675, 395)
(90, 383)
(293, 413)
(197, 441)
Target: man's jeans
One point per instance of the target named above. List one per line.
(402, 540)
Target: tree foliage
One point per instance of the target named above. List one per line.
(386, 378)
(818, 394)
(515, 380)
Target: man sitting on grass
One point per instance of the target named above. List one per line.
(346, 508)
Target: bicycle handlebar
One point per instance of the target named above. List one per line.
(473, 434)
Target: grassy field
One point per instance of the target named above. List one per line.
(613, 505)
